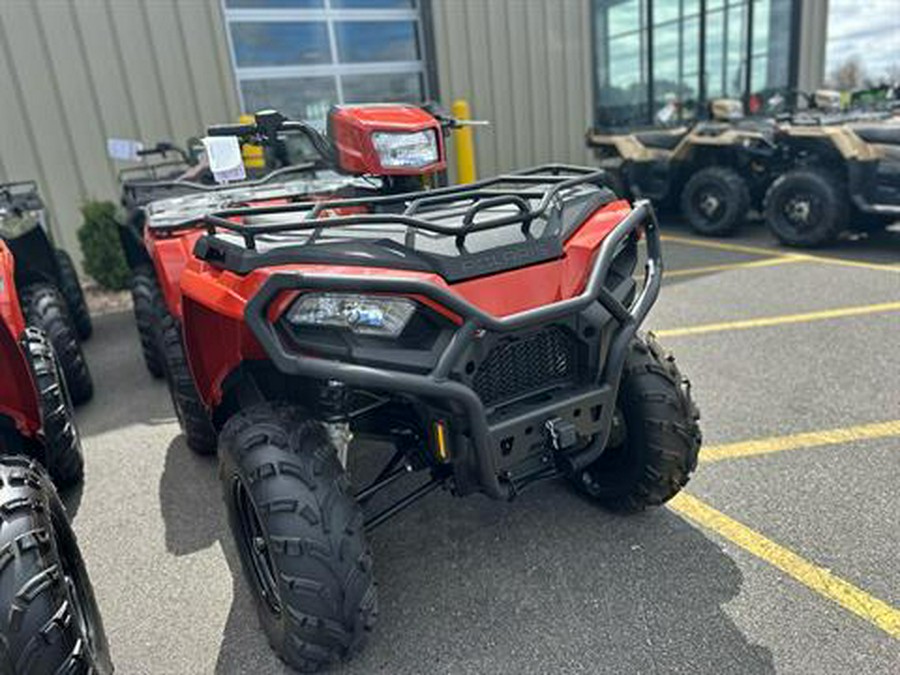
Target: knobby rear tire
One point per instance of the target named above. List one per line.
(192, 414)
(149, 310)
(45, 308)
(71, 290)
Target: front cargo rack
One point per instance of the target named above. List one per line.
(544, 183)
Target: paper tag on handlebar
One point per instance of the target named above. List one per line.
(225, 161)
(124, 149)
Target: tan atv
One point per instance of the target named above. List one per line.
(715, 170)
(837, 175)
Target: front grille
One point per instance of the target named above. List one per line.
(526, 365)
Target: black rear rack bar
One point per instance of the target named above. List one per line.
(152, 169)
(21, 194)
(16, 183)
(483, 194)
(201, 187)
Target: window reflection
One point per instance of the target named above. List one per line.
(628, 92)
(288, 43)
(376, 41)
(399, 87)
(302, 98)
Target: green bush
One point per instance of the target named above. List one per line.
(104, 259)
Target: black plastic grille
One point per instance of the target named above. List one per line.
(526, 365)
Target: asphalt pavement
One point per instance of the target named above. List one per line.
(549, 583)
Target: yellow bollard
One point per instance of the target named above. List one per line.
(465, 146)
(254, 157)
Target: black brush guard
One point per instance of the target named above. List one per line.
(484, 437)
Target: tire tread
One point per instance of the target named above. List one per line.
(322, 558)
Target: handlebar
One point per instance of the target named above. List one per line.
(165, 147)
(267, 126)
(231, 130)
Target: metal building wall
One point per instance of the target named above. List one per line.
(75, 72)
(525, 65)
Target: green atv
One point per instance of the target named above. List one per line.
(713, 170)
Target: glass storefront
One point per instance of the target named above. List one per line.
(302, 56)
(659, 61)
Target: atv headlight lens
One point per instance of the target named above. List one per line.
(405, 150)
(364, 314)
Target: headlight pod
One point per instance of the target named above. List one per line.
(364, 314)
(406, 150)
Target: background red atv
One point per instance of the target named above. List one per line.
(50, 622)
(487, 332)
(369, 151)
(49, 291)
(36, 416)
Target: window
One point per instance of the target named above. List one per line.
(652, 67)
(260, 43)
(302, 56)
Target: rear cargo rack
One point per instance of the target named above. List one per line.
(544, 182)
(20, 194)
(133, 186)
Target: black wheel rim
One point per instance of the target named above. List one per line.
(256, 545)
(710, 203)
(801, 210)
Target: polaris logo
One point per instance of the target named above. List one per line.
(510, 257)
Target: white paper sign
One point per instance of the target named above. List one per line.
(225, 161)
(124, 149)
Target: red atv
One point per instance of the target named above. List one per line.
(160, 234)
(36, 416)
(49, 291)
(487, 332)
(49, 622)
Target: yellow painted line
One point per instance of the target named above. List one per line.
(756, 250)
(816, 578)
(881, 267)
(811, 439)
(722, 245)
(766, 262)
(779, 320)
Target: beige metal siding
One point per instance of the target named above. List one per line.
(525, 65)
(76, 72)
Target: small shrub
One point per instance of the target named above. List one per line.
(99, 237)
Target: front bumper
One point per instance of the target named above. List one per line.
(488, 435)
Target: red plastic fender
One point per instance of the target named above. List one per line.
(18, 395)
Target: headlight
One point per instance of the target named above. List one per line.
(364, 314)
(406, 150)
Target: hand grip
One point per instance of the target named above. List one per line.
(231, 130)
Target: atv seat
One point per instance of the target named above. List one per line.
(661, 139)
(883, 134)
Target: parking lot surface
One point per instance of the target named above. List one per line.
(781, 557)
